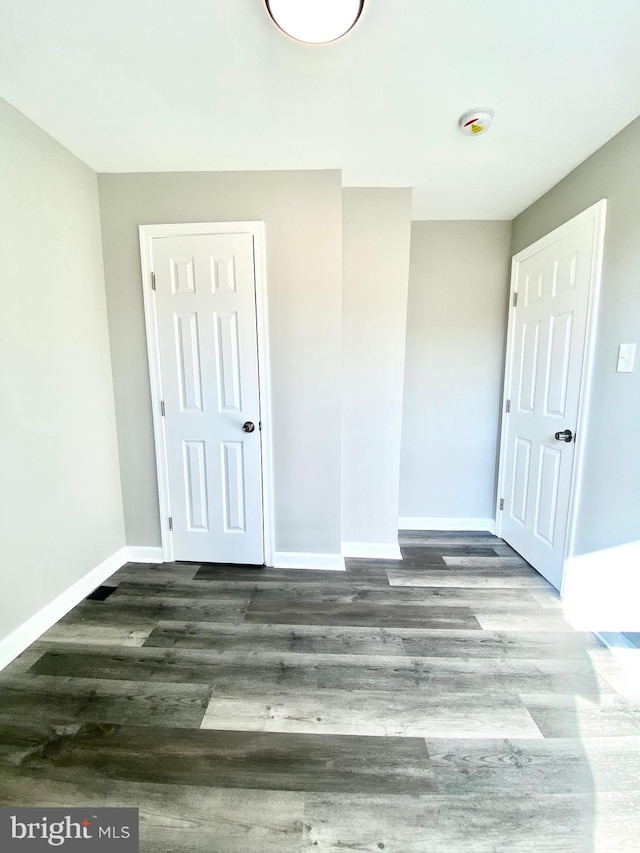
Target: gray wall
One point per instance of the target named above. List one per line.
(376, 240)
(609, 512)
(60, 502)
(302, 212)
(456, 326)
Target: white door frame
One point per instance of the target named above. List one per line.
(598, 213)
(147, 234)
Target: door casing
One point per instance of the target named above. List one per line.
(598, 213)
(147, 234)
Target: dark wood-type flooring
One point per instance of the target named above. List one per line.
(439, 704)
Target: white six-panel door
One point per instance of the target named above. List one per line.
(205, 320)
(548, 335)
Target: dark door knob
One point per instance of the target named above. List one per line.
(247, 426)
(565, 435)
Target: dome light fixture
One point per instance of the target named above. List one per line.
(315, 21)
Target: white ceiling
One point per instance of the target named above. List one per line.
(148, 85)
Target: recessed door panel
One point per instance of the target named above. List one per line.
(233, 497)
(223, 274)
(521, 472)
(533, 285)
(228, 362)
(195, 484)
(182, 275)
(547, 493)
(188, 362)
(564, 274)
(557, 377)
(529, 366)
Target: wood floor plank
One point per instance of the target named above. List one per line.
(503, 550)
(335, 613)
(448, 824)
(447, 537)
(344, 593)
(373, 712)
(98, 634)
(19, 740)
(557, 765)
(414, 642)
(301, 639)
(374, 569)
(258, 672)
(621, 671)
(357, 571)
(151, 573)
(179, 818)
(541, 619)
(255, 760)
(42, 700)
(548, 598)
(24, 661)
(616, 821)
(125, 611)
(494, 562)
(609, 715)
(543, 645)
(426, 597)
(421, 551)
(195, 594)
(184, 666)
(469, 577)
(231, 591)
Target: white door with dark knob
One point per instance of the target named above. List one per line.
(205, 318)
(545, 378)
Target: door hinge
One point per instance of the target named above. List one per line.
(170, 523)
(501, 503)
(153, 281)
(260, 425)
(508, 406)
(515, 299)
(163, 408)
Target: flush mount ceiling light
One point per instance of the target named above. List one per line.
(315, 21)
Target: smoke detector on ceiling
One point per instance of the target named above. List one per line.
(476, 122)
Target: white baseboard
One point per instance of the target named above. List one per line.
(302, 560)
(475, 524)
(283, 559)
(373, 550)
(20, 639)
(143, 554)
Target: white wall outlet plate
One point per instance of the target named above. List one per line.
(626, 358)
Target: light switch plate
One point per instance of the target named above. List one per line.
(626, 358)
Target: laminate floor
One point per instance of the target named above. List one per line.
(438, 704)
